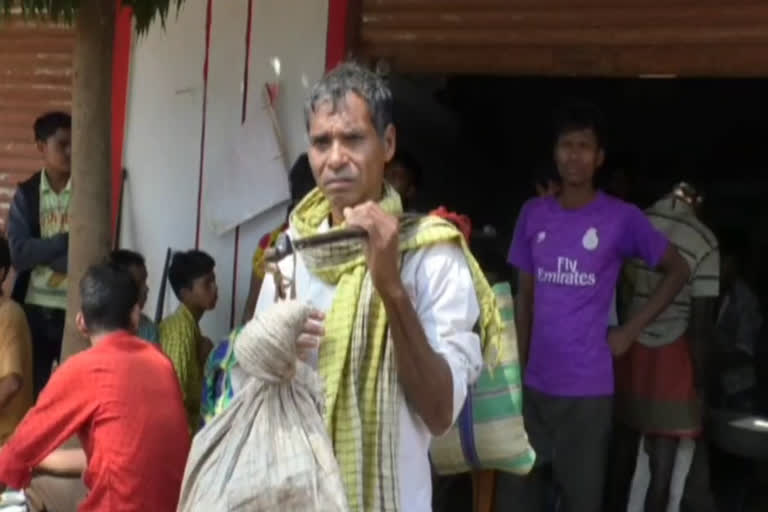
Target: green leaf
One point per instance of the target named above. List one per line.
(145, 12)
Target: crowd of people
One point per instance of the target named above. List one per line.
(617, 313)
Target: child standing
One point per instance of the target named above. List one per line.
(38, 231)
(194, 283)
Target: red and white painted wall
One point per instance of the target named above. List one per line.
(188, 88)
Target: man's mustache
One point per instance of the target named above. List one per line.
(342, 175)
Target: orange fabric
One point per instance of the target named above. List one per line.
(462, 222)
(15, 359)
(259, 255)
(661, 373)
(123, 400)
(655, 392)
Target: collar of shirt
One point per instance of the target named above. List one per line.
(187, 315)
(45, 185)
(114, 336)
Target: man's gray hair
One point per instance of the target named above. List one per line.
(350, 77)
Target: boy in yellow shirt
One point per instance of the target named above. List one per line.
(193, 280)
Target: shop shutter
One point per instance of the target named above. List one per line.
(567, 37)
(35, 77)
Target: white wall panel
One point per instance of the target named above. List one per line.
(164, 119)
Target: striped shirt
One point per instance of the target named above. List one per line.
(46, 287)
(698, 246)
(180, 339)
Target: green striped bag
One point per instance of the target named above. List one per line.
(489, 432)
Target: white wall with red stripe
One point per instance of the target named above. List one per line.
(181, 121)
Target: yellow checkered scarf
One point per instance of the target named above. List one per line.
(356, 359)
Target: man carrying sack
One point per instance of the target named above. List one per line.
(409, 318)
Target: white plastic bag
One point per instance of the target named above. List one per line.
(269, 449)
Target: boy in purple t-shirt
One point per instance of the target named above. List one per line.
(568, 249)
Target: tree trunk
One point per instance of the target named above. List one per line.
(89, 215)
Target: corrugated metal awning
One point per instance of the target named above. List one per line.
(35, 77)
(568, 37)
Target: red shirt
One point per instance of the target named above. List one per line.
(123, 400)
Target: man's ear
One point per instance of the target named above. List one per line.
(390, 142)
(40, 145)
(600, 158)
(183, 294)
(80, 324)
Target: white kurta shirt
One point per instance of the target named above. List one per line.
(439, 284)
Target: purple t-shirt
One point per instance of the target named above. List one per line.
(574, 257)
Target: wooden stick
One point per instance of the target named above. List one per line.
(119, 211)
(163, 284)
(281, 249)
(330, 237)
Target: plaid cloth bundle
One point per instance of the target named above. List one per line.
(489, 432)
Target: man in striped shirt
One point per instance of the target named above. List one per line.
(660, 381)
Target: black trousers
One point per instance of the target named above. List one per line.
(47, 328)
(571, 436)
(452, 493)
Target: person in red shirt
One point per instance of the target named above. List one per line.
(121, 398)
